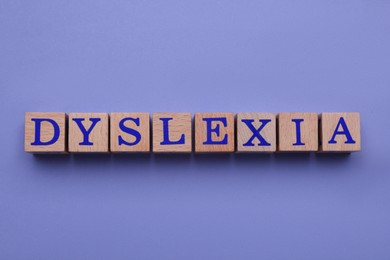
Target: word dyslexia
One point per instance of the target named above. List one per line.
(173, 132)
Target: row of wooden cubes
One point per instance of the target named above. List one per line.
(173, 132)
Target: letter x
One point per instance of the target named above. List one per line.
(256, 132)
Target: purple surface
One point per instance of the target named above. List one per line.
(95, 56)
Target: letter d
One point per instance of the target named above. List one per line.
(56, 127)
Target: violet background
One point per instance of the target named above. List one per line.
(193, 56)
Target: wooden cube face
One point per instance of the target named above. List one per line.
(256, 132)
(88, 132)
(214, 132)
(298, 132)
(340, 132)
(172, 132)
(45, 132)
(129, 132)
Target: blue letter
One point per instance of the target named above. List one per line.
(38, 122)
(131, 131)
(215, 130)
(298, 127)
(344, 132)
(166, 140)
(84, 131)
(256, 132)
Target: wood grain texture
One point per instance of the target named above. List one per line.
(98, 135)
(181, 124)
(328, 125)
(47, 132)
(201, 133)
(244, 133)
(287, 132)
(143, 128)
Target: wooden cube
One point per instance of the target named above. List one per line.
(172, 132)
(256, 132)
(298, 132)
(214, 132)
(88, 132)
(129, 132)
(45, 132)
(340, 132)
